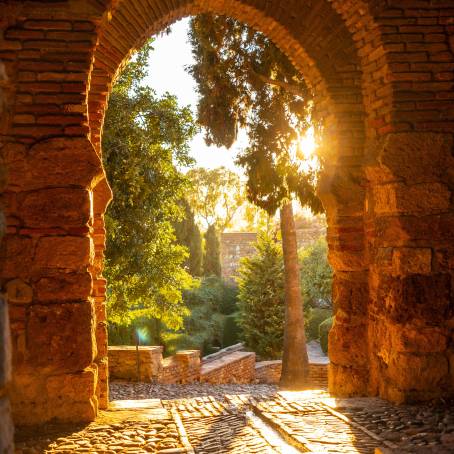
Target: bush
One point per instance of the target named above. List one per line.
(261, 299)
(231, 331)
(315, 316)
(316, 274)
(323, 330)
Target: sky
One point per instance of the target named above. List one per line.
(166, 73)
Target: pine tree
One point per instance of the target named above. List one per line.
(211, 260)
(261, 299)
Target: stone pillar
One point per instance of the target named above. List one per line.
(342, 192)
(46, 260)
(189, 365)
(411, 243)
(6, 423)
(102, 195)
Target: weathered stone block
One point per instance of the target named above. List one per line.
(413, 157)
(62, 162)
(62, 287)
(64, 252)
(419, 372)
(102, 195)
(412, 261)
(60, 337)
(71, 397)
(59, 207)
(16, 257)
(28, 398)
(19, 292)
(123, 362)
(341, 190)
(402, 230)
(416, 296)
(351, 293)
(347, 346)
(398, 198)
(345, 381)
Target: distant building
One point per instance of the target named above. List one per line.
(236, 245)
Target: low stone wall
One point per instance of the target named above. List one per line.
(270, 372)
(184, 367)
(237, 367)
(123, 362)
(224, 352)
(6, 423)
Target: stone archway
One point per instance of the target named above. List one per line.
(381, 75)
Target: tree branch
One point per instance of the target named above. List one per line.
(293, 89)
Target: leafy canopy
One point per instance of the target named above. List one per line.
(245, 81)
(215, 196)
(145, 142)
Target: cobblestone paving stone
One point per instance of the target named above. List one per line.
(214, 419)
(414, 429)
(146, 429)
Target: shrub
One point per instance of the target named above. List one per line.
(261, 299)
(316, 274)
(314, 317)
(323, 331)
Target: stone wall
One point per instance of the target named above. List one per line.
(183, 367)
(381, 73)
(6, 423)
(237, 367)
(270, 372)
(123, 362)
(236, 245)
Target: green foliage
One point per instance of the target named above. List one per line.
(316, 274)
(261, 299)
(315, 316)
(210, 304)
(244, 80)
(212, 259)
(215, 196)
(324, 330)
(145, 141)
(231, 330)
(188, 234)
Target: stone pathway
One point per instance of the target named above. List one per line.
(205, 419)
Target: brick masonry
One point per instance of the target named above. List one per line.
(237, 245)
(382, 74)
(270, 372)
(236, 367)
(183, 367)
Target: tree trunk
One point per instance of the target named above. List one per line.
(295, 363)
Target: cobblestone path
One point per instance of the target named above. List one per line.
(248, 419)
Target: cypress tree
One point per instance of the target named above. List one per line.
(211, 260)
(188, 234)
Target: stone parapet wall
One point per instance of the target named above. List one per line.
(183, 367)
(270, 372)
(224, 352)
(123, 362)
(238, 367)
